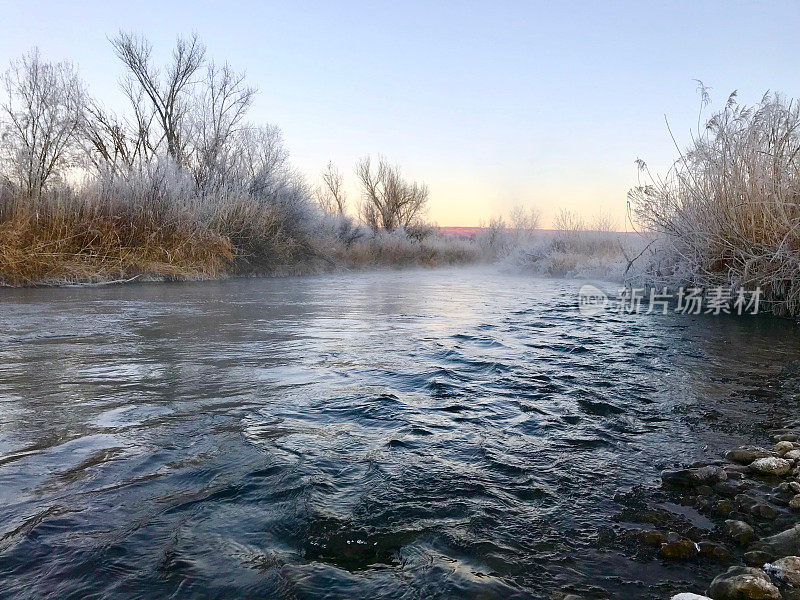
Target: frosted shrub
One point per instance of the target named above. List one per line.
(728, 211)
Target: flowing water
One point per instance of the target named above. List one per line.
(422, 434)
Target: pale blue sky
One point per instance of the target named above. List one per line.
(492, 103)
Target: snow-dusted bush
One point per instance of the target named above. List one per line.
(728, 211)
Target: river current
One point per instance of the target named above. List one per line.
(454, 433)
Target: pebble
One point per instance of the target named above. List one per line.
(743, 583)
(771, 465)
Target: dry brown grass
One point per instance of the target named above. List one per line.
(57, 240)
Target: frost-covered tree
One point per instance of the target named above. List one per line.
(220, 107)
(388, 200)
(42, 114)
(161, 96)
(331, 196)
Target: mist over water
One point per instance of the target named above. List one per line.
(452, 433)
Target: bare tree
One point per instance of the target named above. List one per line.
(567, 221)
(168, 95)
(109, 142)
(331, 196)
(43, 111)
(389, 201)
(221, 106)
(525, 219)
(262, 161)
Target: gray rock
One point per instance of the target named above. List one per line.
(794, 503)
(785, 543)
(689, 478)
(757, 558)
(743, 583)
(785, 571)
(771, 465)
(792, 455)
(744, 455)
(689, 596)
(763, 511)
(739, 531)
(714, 551)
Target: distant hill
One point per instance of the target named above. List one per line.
(462, 232)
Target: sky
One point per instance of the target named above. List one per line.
(492, 104)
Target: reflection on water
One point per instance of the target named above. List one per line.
(454, 433)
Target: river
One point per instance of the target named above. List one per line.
(452, 433)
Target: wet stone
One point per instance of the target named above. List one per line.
(690, 478)
(770, 465)
(714, 551)
(743, 583)
(763, 511)
(728, 488)
(794, 503)
(757, 558)
(785, 543)
(783, 447)
(785, 571)
(689, 596)
(744, 455)
(679, 550)
(723, 507)
(739, 532)
(648, 538)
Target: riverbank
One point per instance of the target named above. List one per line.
(74, 237)
(741, 512)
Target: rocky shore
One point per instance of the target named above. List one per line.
(740, 513)
(759, 490)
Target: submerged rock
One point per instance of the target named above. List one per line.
(743, 583)
(771, 465)
(679, 550)
(702, 476)
(739, 531)
(647, 537)
(744, 455)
